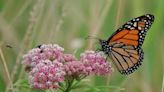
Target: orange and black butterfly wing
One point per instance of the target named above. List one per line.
(127, 58)
(126, 43)
(134, 31)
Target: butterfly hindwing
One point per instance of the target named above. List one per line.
(126, 58)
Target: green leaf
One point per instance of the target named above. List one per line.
(79, 86)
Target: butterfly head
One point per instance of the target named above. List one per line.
(104, 46)
(102, 42)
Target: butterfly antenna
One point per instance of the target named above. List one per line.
(92, 37)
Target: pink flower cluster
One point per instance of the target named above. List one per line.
(46, 74)
(47, 66)
(96, 62)
(74, 68)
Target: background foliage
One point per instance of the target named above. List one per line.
(24, 24)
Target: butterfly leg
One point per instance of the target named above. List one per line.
(98, 50)
(106, 58)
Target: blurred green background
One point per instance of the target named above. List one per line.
(24, 24)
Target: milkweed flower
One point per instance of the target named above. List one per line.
(48, 66)
(43, 52)
(45, 67)
(97, 62)
(46, 75)
(75, 69)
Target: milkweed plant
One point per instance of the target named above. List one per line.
(49, 68)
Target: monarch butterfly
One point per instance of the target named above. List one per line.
(124, 46)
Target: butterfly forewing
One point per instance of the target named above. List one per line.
(134, 31)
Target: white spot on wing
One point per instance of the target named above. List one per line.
(135, 24)
(139, 28)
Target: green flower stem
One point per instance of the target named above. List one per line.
(61, 88)
(69, 85)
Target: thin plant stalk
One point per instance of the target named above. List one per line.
(28, 35)
(163, 84)
(58, 25)
(35, 16)
(123, 83)
(97, 24)
(119, 12)
(7, 71)
(21, 11)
